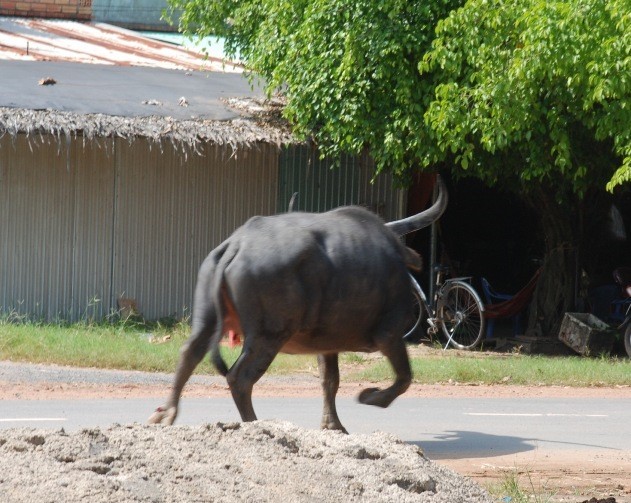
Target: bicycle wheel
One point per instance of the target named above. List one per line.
(414, 325)
(461, 314)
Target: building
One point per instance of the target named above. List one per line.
(133, 14)
(123, 162)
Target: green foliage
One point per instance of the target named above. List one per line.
(508, 91)
(348, 69)
(548, 82)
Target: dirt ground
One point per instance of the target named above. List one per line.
(566, 477)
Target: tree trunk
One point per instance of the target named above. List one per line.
(555, 293)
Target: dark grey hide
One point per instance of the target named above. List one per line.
(315, 283)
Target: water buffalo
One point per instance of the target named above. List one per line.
(305, 283)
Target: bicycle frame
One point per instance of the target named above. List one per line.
(431, 307)
(425, 305)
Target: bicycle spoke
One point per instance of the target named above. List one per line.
(461, 316)
(471, 308)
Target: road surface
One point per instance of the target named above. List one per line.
(568, 442)
(444, 427)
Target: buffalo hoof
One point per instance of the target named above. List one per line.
(374, 396)
(334, 426)
(164, 416)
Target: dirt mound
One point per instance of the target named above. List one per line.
(234, 462)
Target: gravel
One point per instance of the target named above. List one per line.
(223, 462)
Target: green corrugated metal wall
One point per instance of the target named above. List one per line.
(85, 224)
(323, 185)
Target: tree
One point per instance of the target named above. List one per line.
(349, 70)
(530, 95)
(537, 95)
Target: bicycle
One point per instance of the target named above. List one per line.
(456, 310)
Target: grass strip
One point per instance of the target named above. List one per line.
(509, 369)
(151, 348)
(155, 348)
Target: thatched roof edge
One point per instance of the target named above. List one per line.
(241, 131)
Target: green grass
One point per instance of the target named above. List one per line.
(125, 346)
(90, 346)
(510, 369)
(518, 489)
(128, 346)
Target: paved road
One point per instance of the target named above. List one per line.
(446, 428)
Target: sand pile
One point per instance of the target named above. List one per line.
(235, 462)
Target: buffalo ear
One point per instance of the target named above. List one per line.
(412, 259)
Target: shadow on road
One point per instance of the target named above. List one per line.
(467, 444)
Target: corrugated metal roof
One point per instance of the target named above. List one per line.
(129, 91)
(30, 39)
(98, 80)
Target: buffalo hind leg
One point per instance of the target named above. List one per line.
(191, 354)
(330, 379)
(257, 355)
(394, 350)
